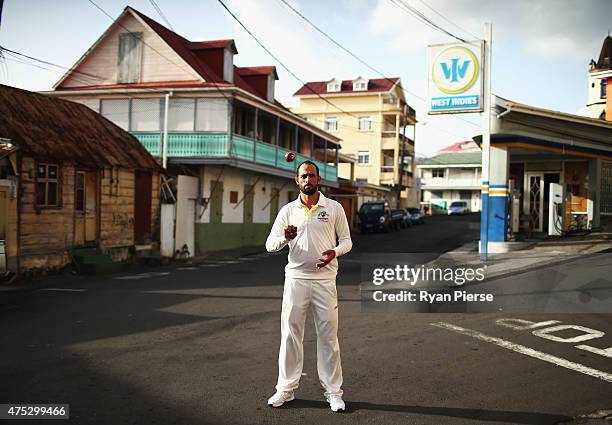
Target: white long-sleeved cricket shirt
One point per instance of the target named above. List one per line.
(317, 232)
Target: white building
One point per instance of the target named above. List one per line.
(599, 71)
(453, 174)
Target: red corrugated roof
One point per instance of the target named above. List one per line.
(212, 44)
(258, 70)
(182, 47)
(468, 145)
(187, 51)
(374, 85)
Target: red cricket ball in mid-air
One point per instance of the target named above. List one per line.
(290, 156)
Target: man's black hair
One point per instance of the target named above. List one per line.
(309, 162)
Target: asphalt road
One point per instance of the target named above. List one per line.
(198, 344)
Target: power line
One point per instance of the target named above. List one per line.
(447, 20)
(293, 74)
(208, 77)
(2, 48)
(159, 11)
(360, 60)
(281, 63)
(407, 8)
(15, 58)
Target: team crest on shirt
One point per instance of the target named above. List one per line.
(323, 216)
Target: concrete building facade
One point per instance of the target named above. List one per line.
(451, 175)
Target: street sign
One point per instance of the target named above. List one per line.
(455, 82)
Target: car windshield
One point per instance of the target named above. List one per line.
(458, 204)
(367, 208)
(414, 210)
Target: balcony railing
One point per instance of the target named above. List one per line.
(216, 145)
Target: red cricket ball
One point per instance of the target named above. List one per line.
(290, 156)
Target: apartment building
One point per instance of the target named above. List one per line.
(376, 127)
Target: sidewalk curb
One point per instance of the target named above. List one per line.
(542, 265)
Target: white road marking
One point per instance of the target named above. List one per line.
(606, 352)
(557, 361)
(521, 325)
(63, 289)
(588, 333)
(187, 268)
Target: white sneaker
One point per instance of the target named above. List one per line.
(335, 402)
(280, 398)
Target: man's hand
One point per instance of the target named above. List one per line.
(327, 257)
(290, 232)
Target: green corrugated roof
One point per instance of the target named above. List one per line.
(453, 158)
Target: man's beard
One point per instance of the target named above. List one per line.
(310, 189)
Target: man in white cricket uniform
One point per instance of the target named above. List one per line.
(317, 232)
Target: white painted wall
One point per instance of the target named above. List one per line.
(187, 192)
(261, 211)
(453, 177)
(232, 181)
(93, 104)
(235, 179)
(167, 230)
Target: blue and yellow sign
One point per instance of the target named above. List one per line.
(455, 83)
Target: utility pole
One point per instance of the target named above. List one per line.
(486, 145)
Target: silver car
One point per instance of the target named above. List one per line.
(458, 208)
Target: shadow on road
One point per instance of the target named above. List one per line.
(454, 412)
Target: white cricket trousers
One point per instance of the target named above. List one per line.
(322, 298)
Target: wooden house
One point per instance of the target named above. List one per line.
(70, 178)
(217, 127)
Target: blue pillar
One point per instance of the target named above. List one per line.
(494, 197)
(498, 212)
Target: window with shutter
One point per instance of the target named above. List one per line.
(130, 57)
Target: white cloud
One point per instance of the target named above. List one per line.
(404, 33)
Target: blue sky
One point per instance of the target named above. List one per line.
(541, 49)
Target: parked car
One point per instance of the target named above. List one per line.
(401, 218)
(375, 215)
(417, 216)
(458, 207)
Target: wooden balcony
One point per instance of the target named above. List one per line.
(216, 145)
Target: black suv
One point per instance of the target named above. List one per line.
(375, 215)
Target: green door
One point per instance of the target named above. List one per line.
(216, 201)
(248, 228)
(249, 198)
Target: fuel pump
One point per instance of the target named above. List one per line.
(514, 207)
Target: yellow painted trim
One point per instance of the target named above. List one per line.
(553, 150)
